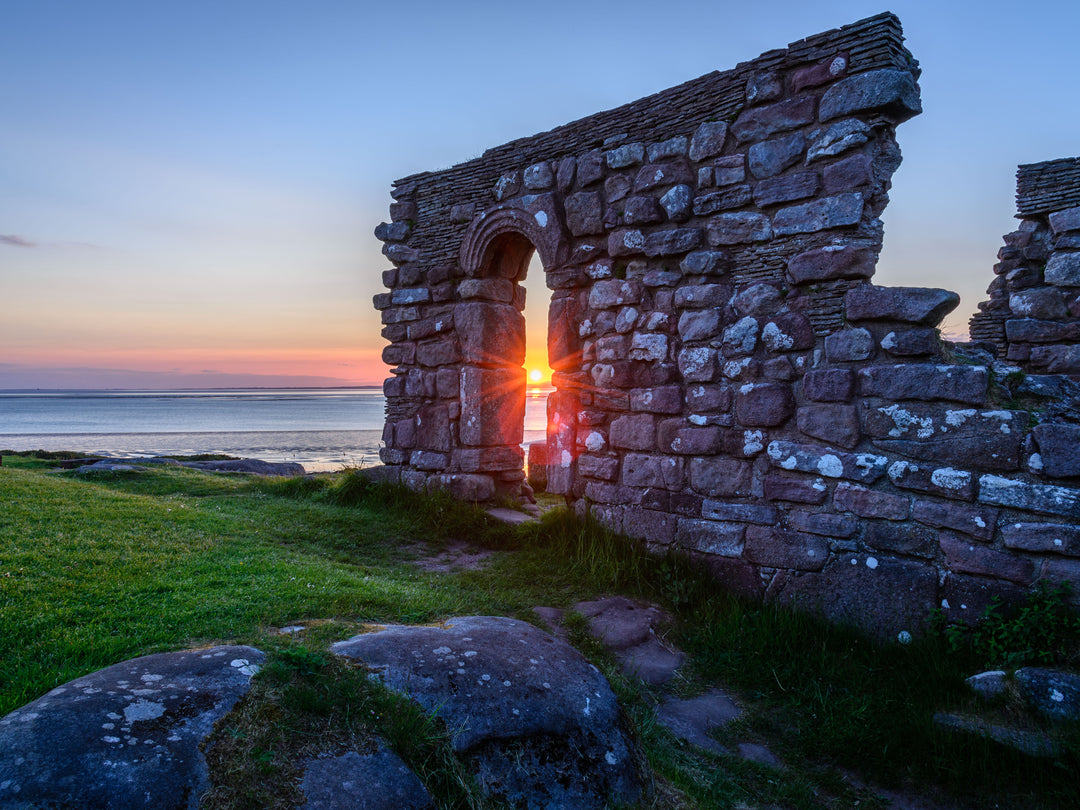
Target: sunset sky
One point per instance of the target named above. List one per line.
(188, 190)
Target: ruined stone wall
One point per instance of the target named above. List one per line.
(728, 381)
(1033, 314)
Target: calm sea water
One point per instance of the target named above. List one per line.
(323, 429)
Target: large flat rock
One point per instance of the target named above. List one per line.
(126, 736)
(536, 724)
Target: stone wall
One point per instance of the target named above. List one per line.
(728, 380)
(1033, 314)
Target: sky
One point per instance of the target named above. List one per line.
(188, 190)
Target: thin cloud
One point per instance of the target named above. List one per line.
(16, 241)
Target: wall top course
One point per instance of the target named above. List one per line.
(1049, 186)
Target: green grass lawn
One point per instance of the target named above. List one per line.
(94, 571)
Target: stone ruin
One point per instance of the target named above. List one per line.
(728, 380)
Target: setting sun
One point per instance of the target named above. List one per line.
(536, 375)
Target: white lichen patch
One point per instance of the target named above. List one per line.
(957, 418)
(697, 419)
(610, 758)
(143, 710)
(541, 218)
(830, 466)
(948, 478)
(595, 441)
(753, 442)
(775, 338)
(634, 240)
(244, 666)
(871, 563)
(904, 420)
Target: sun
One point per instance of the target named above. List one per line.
(536, 375)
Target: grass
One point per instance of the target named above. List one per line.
(93, 571)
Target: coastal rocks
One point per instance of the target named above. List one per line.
(250, 466)
(535, 723)
(126, 736)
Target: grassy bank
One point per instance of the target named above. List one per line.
(93, 571)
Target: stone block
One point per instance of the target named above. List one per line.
(642, 211)
(945, 481)
(490, 333)
(884, 597)
(758, 123)
(764, 404)
(921, 306)
(704, 262)
(661, 399)
(719, 476)
(830, 263)
(585, 213)
(703, 324)
(964, 599)
(442, 352)
(1056, 359)
(615, 494)
(1066, 220)
(626, 242)
(1029, 330)
(899, 538)
(966, 557)
(590, 168)
(564, 343)
(788, 331)
(696, 296)
(633, 432)
(1045, 303)
(797, 490)
(433, 428)
(783, 548)
(836, 424)
(617, 188)
(974, 521)
(741, 337)
(708, 399)
(710, 537)
(698, 364)
(428, 460)
(489, 289)
(672, 242)
(624, 156)
(740, 228)
(1063, 270)
(723, 200)
(849, 174)
(1051, 500)
(824, 523)
(496, 459)
(786, 188)
(603, 467)
(614, 293)
(925, 381)
(763, 86)
(868, 503)
(672, 147)
(891, 91)
(1059, 449)
(649, 525)
(849, 345)
(677, 203)
(918, 342)
(838, 138)
(769, 158)
(761, 514)
(665, 472)
(829, 385)
(966, 438)
(829, 70)
(650, 347)
(1056, 538)
(708, 140)
(810, 458)
(658, 175)
(758, 300)
(492, 406)
(676, 436)
(839, 211)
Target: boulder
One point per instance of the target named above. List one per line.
(352, 781)
(125, 736)
(535, 723)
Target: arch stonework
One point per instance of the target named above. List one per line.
(728, 380)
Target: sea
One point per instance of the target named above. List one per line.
(324, 429)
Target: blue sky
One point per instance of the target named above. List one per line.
(188, 191)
